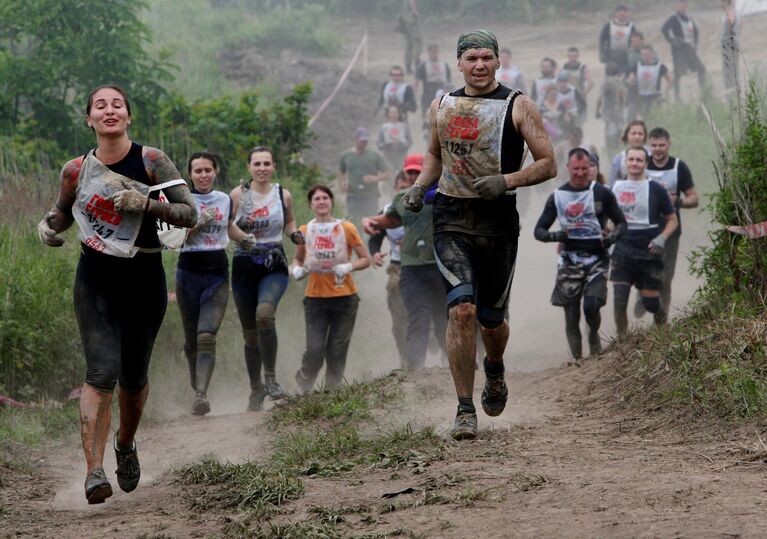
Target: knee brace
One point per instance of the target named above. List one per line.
(251, 338)
(265, 315)
(652, 305)
(621, 293)
(206, 342)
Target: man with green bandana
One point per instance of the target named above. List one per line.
(478, 134)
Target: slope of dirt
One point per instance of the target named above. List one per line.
(563, 460)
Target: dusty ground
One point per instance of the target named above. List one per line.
(564, 459)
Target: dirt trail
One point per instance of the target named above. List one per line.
(562, 460)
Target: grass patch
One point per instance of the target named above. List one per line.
(349, 401)
(330, 452)
(243, 486)
(36, 425)
(707, 364)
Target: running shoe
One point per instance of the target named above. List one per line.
(97, 487)
(494, 394)
(465, 427)
(256, 399)
(128, 469)
(273, 389)
(200, 406)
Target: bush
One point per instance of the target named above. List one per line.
(40, 350)
(734, 268)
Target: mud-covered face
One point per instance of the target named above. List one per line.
(203, 174)
(578, 167)
(636, 163)
(261, 166)
(478, 67)
(109, 113)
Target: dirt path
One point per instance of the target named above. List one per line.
(559, 462)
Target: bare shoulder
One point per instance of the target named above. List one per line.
(158, 165)
(236, 193)
(70, 173)
(287, 196)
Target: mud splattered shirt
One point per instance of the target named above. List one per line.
(477, 138)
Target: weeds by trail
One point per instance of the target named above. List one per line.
(350, 401)
(38, 424)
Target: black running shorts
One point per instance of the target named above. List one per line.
(478, 270)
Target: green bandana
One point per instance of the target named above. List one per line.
(477, 39)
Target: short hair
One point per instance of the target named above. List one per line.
(203, 155)
(432, 46)
(551, 60)
(319, 187)
(114, 87)
(640, 148)
(632, 123)
(647, 47)
(637, 33)
(620, 7)
(660, 132)
(397, 67)
(507, 51)
(573, 49)
(580, 153)
(257, 149)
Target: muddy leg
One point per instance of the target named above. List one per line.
(131, 408)
(95, 417)
(461, 347)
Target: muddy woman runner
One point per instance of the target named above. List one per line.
(120, 294)
(477, 138)
(263, 212)
(202, 276)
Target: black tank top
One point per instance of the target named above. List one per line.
(132, 166)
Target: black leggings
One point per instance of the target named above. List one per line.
(119, 304)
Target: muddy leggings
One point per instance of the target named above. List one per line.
(202, 300)
(257, 292)
(119, 305)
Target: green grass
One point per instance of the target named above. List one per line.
(38, 424)
(706, 364)
(244, 486)
(350, 402)
(330, 452)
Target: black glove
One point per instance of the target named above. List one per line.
(608, 240)
(297, 238)
(558, 236)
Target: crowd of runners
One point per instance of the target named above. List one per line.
(450, 219)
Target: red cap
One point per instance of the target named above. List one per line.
(414, 161)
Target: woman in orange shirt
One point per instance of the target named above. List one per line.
(330, 302)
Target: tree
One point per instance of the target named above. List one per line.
(53, 52)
